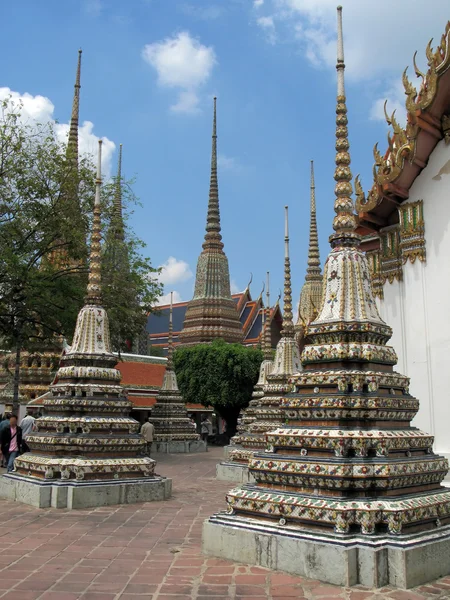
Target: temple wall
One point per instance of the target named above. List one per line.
(418, 307)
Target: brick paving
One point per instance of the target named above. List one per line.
(149, 551)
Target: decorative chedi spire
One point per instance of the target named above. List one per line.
(174, 431)
(267, 326)
(311, 293)
(265, 413)
(72, 144)
(212, 311)
(86, 433)
(117, 216)
(347, 463)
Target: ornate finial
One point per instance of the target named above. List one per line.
(117, 210)
(72, 144)
(267, 336)
(344, 222)
(94, 288)
(247, 289)
(313, 269)
(170, 338)
(213, 237)
(288, 323)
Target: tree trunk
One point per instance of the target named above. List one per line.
(15, 404)
(230, 415)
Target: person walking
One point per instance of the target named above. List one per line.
(27, 426)
(206, 428)
(10, 442)
(147, 431)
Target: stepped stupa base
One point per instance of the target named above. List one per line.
(234, 472)
(377, 561)
(70, 495)
(179, 446)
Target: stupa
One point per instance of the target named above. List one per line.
(311, 292)
(86, 450)
(347, 492)
(266, 414)
(174, 431)
(212, 312)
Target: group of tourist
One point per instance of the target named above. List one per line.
(13, 438)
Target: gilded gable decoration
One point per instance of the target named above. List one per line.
(412, 232)
(402, 141)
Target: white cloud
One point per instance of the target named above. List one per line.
(257, 3)
(181, 62)
(268, 26)
(40, 109)
(395, 96)
(165, 298)
(235, 289)
(204, 13)
(313, 24)
(228, 163)
(93, 8)
(187, 102)
(174, 271)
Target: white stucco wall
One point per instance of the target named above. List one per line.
(418, 308)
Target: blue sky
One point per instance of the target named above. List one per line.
(150, 70)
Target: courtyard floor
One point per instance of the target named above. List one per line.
(149, 551)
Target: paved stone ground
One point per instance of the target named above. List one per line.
(148, 551)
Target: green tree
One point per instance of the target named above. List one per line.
(220, 375)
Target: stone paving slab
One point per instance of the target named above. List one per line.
(149, 551)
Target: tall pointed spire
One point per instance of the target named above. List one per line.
(344, 222)
(94, 288)
(213, 238)
(170, 379)
(117, 218)
(170, 340)
(311, 293)
(267, 336)
(212, 312)
(313, 270)
(72, 145)
(288, 323)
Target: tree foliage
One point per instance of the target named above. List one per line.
(220, 375)
(42, 231)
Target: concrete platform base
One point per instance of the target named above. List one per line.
(177, 447)
(83, 494)
(234, 472)
(345, 560)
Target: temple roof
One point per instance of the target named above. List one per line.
(250, 316)
(409, 148)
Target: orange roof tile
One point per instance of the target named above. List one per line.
(141, 373)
